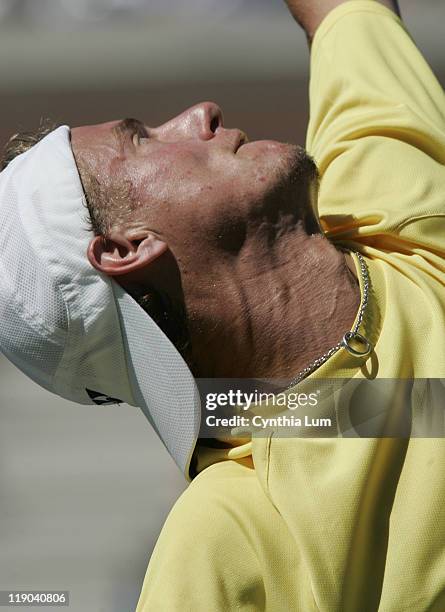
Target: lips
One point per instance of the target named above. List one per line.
(241, 140)
(232, 139)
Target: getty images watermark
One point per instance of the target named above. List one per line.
(250, 410)
(353, 407)
(245, 400)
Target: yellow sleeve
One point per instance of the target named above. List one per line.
(376, 130)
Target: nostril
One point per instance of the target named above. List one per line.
(214, 124)
(207, 118)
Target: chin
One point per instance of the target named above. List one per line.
(293, 184)
(300, 165)
(287, 158)
(292, 164)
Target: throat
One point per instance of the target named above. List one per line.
(275, 324)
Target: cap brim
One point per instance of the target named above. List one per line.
(161, 382)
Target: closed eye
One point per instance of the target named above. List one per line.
(139, 139)
(131, 130)
(140, 135)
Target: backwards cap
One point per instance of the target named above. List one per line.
(70, 328)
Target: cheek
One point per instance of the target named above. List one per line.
(179, 178)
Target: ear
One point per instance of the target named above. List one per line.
(117, 255)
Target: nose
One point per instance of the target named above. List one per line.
(200, 121)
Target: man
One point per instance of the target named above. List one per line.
(219, 242)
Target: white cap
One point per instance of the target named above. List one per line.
(70, 328)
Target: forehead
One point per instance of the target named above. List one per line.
(104, 151)
(117, 129)
(94, 135)
(96, 146)
(113, 136)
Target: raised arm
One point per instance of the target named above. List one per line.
(310, 13)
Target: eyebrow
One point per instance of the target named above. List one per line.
(127, 128)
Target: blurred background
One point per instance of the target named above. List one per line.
(84, 491)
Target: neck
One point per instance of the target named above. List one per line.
(270, 313)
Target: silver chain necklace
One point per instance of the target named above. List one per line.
(349, 337)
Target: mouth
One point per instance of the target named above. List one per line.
(232, 140)
(241, 140)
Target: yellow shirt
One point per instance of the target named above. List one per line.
(331, 524)
(376, 131)
(368, 514)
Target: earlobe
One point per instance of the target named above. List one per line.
(117, 255)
